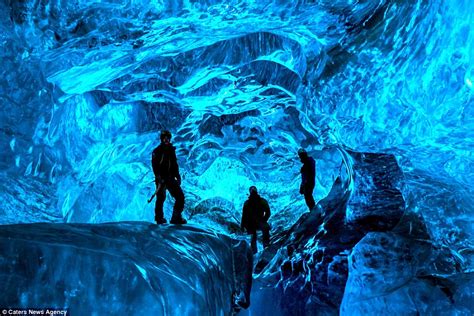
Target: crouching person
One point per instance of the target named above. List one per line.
(255, 215)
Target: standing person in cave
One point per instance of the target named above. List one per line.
(167, 177)
(308, 177)
(255, 215)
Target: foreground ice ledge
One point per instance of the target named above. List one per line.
(123, 268)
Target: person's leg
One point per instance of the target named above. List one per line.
(160, 200)
(253, 242)
(308, 197)
(178, 195)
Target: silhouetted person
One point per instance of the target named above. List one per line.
(308, 177)
(167, 177)
(255, 215)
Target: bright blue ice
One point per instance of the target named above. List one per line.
(86, 86)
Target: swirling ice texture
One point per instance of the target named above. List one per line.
(242, 85)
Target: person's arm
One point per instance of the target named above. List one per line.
(303, 179)
(175, 167)
(267, 213)
(244, 221)
(313, 170)
(304, 175)
(155, 163)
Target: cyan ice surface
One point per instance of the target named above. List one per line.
(126, 268)
(414, 277)
(362, 253)
(85, 87)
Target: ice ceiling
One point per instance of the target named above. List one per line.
(86, 86)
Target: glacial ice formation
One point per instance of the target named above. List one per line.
(86, 86)
(123, 268)
(362, 253)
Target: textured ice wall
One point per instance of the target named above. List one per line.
(123, 268)
(86, 86)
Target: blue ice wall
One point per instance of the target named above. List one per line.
(87, 85)
(122, 268)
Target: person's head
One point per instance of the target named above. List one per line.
(165, 137)
(253, 190)
(302, 154)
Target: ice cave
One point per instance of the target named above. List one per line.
(379, 93)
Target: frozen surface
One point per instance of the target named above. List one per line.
(414, 277)
(86, 86)
(351, 257)
(126, 268)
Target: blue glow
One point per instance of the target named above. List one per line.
(87, 86)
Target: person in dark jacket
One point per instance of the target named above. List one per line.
(167, 177)
(255, 215)
(308, 177)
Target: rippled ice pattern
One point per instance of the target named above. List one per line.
(87, 85)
